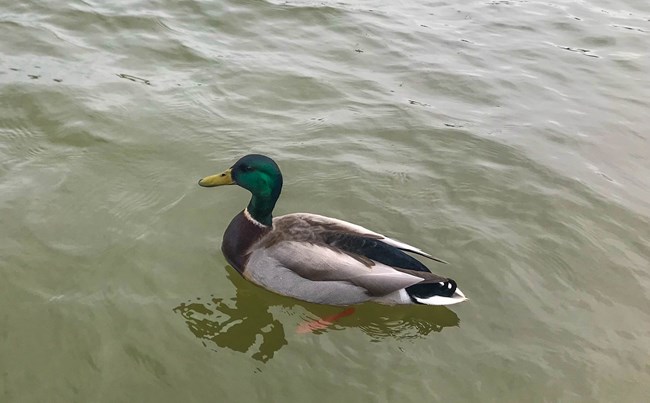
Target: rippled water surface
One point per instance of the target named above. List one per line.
(509, 138)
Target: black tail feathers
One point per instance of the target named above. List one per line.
(425, 290)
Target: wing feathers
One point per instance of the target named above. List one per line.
(320, 263)
(408, 248)
(333, 224)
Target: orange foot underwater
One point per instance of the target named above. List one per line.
(323, 323)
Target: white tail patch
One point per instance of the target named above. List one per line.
(438, 300)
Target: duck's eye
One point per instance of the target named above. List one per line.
(246, 168)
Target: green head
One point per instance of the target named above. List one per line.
(258, 174)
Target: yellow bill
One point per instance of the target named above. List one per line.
(224, 178)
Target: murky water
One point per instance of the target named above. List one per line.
(507, 137)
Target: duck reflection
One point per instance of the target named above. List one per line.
(246, 323)
(238, 324)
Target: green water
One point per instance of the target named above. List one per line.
(509, 138)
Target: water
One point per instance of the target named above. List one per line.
(507, 137)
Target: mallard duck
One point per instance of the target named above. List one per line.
(320, 259)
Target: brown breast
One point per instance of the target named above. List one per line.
(240, 235)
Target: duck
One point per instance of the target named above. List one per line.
(319, 259)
